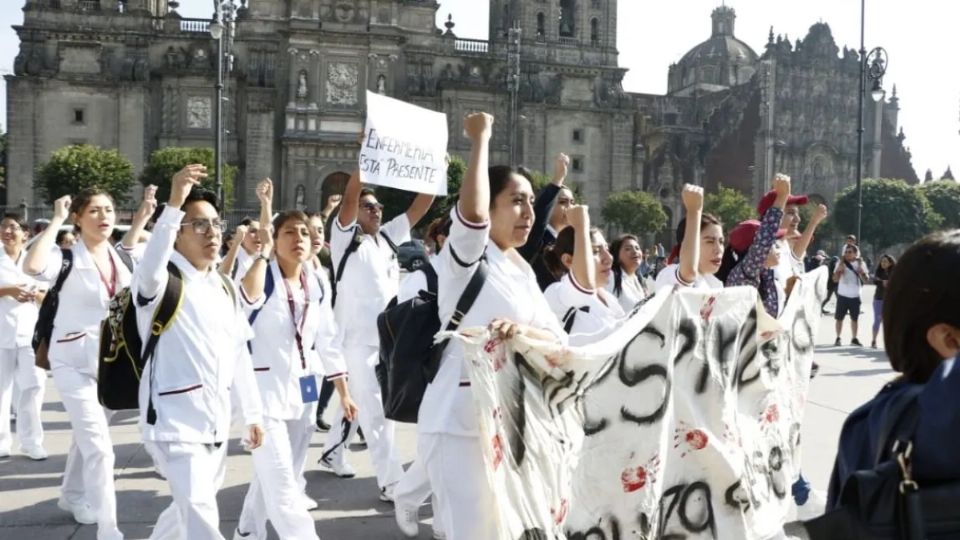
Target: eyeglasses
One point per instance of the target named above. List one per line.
(203, 226)
(372, 207)
(11, 227)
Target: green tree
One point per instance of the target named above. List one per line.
(73, 168)
(944, 198)
(636, 212)
(893, 213)
(729, 205)
(165, 162)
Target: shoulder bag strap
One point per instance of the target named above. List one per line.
(390, 242)
(900, 423)
(431, 273)
(354, 245)
(65, 266)
(268, 286)
(469, 295)
(125, 258)
(163, 317)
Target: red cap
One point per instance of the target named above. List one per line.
(743, 234)
(767, 201)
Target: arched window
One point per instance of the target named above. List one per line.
(567, 20)
(594, 31)
(541, 25)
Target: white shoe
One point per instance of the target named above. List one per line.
(237, 535)
(82, 513)
(814, 507)
(308, 503)
(340, 468)
(36, 453)
(407, 519)
(386, 493)
(4, 452)
(439, 535)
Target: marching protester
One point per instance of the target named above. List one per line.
(752, 254)
(322, 267)
(367, 277)
(244, 250)
(881, 278)
(290, 315)
(699, 247)
(579, 299)
(96, 272)
(850, 275)
(625, 282)
(550, 218)
(199, 360)
(19, 294)
(492, 219)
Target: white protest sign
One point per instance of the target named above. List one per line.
(404, 146)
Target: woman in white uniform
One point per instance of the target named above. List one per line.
(98, 272)
(492, 218)
(625, 283)
(18, 316)
(290, 315)
(583, 266)
(699, 247)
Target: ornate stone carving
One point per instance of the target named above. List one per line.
(302, 90)
(199, 112)
(342, 83)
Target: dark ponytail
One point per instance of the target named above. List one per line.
(705, 221)
(730, 260)
(553, 255)
(617, 268)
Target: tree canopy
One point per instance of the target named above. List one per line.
(74, 168)
(730, 205)
(944, 198)
(894, 212)
(636, 212)
(165, 162)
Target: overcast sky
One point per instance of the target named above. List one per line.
(918, 35)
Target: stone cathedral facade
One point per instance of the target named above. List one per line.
(135, 75)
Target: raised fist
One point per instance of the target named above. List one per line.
(478, 126)
(692, 197)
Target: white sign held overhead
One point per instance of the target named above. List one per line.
(404, 146)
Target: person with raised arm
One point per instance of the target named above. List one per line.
(96, 272)
(625, 283)
(699, 246)
(366, 278)
(295, 333)
(491, 220)
(199, 361)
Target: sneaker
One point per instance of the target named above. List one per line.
(341, 469)
(386, 493)
(308, 503)
(4, 452)
(837, 343)
(814, 506)
(322, 425)
(814, 369)
(407, 520)
(239, 535)
(36, 453)
(439, 535)
(82, 513)
(856, 342)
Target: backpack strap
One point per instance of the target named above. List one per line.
(390, 242)
(268, 286)
(900, 422)
(65, 266)
(469, 296)
(431, 273)
(125, 258)
(338, 275)
(228, 288)
(163, 317)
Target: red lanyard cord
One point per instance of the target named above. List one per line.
(298, 328)
(110, 284)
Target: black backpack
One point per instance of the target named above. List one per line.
(409, 359)
(43, 330)
(123, 354)
(885, 502)
(355, 242)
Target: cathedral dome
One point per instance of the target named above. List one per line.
(718, 63)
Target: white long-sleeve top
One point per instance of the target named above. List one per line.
(598, 313)
(202, 356)
(276, 358)
(17, 319)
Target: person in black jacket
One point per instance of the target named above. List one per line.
(550, 217)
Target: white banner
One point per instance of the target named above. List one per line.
(690, 428)
(404, 146)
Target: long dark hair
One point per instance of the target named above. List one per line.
(705, 221)
(82, 200)
(617, 267)
(500, 176)
(879, 270)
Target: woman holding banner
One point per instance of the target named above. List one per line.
(492, 218)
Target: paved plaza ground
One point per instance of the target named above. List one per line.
(349, 508)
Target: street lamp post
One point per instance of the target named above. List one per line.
(221, 30)
(513, 85)
(873, 66)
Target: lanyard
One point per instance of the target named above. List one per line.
(111, 285)
(298, 329)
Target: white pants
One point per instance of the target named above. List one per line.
(89, 472)
(195, 474)
(18, 365)
(275, 492)
(413, 490)
(300, 443)
(377, 430)
(455, 466)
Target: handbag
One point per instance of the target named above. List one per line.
(886, 502)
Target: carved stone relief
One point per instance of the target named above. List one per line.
(199, 112)
(342, 83)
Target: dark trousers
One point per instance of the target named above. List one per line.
(326, 392)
